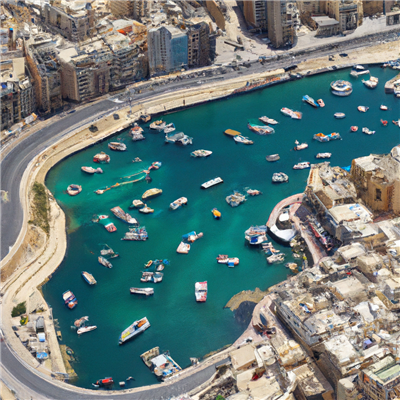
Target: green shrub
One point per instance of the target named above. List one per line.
(40, 207)
(219, 397)
(19, 310)
(24, 320)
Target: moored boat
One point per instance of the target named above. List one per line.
(235, 199)
(256, 235)
(104, 382)
(231, 132)
(279, 257)
(383, 107)
(362, 108)
(354, 128)
(182, 201)
(191, 236)
(310, 101)
(341, 88)
(367, 131)
(158, 125)
(242, 139)
(169, 128)
(143, 291)
(279, 177)
(88, 278)
(103, 261)
(122, 215)
(184, 141)
(163, 365)
(323, 155)
(230, 261)
(85, 329)
(384, 122)
(321, 137)
(101, 158)
(73, 189)
(291, 113)
(300, 146)
(146, 210)
(136, 234)
(267, 120)
(183, 248)
(302, 165)
(339, 115)
(261, 130)
(137, 135)
(358, 70)
(69, 299)
(80, 322)
(321, 103)
(137, 204)
(273, 157)
(145, 118)
(216, 213)
(253, 192)
(105, 221)
(211, 183)
(149, 194)
(371, 83)
(200, 153)
(91, 170)
(117, 146)
(200, 290)
(137, 327)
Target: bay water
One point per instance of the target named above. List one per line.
(179, 324)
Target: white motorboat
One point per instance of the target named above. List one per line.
(362, 109)
(339, 115)
(371, 83)
(267, 120)
(302, 165)
(85, 329)
(200, 153)
(211, 183)
(242, 139)
(182, 201)
(279, 177)
(368, 131)
(169, 128)
(323, 155)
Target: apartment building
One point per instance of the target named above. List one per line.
(167, 49)
(136, 9)
(199, 46)
(349, 13)
(255, 13)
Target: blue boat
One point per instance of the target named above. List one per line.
(310, 101)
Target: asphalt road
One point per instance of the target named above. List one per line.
(44, 388)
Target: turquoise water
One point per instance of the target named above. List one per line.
(178, 323)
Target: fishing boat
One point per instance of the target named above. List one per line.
(339, 115)
(137, 204)
(341, 88)
(260, 130)
(183, 248)
(85, 329)
(279, 177)
(235, 199)
(101, 158)
(117, 146)
(162, 365)
(354, 128)
(367, 131)
(299, 146)
(230, 261)
(253, 192)
(104, 382)
(231, 132)
(136, 234)
(131, 331)
(184, 141)
(91, 170)
(310, 101)
(358, 70)
(123, 216)
(216, 213)
(321, 103)
(200, 290)
(273, 157)
(384, 122)
(158, 125)
(73, 189)
(323, 155)
(182, 201)
(371, 83)
(362, 109)
(242, 139)
(211, 183)
(69, 299)
(154, 277)
(383, 107)
(321, 137)
(174, 136)
(88, 278)
(291, 113)
(275, 258)
(191, 236)
(136, 128)
(104, 220)
(169, 128)
(143, 291)
(256, 235)
(302, 165)
(146, 210)
(137, 135)
(200, 153)
(108, 251)
(267, 120)
(104, 261)
(149, 194)
(145, 118)
(80, 322)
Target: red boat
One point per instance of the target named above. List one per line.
(383, 122)
(101, 158)
(354, 128)
(105, 382)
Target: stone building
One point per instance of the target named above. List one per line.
(349, 13)
(41, 57)
(167, 49)
(377, 180)
(75, 21)
(255, 14)
(136, 9)
(199, 47)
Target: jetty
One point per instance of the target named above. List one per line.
(390, 85)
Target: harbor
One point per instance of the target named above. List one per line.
(273, 197)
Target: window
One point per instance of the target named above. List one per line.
(378, 195)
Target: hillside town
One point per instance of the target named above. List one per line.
(56, 54)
